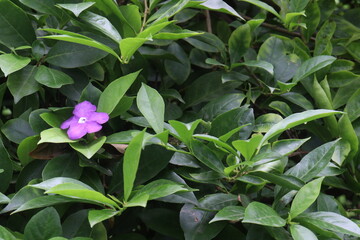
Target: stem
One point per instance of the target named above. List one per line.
(279, 29)
(146, 12)
(208, 21)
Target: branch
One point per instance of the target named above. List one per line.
(208, 21)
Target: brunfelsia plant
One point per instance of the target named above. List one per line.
(205, 120)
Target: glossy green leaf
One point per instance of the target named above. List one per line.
(131, 163)
(299, 232)
(43, 225)
(7, 168)
(15, 26)
(331, 221)
(295, 120)
(205, 155)
(97, 216)
(152, 106)
(5, 234)
(306, 196)
(218, 201)
(114, 92)
(54, 135)
(239, 42)
(22, 83)
(259, 213)
(348, 133)
(264, 122)
(256, 63)
(51, 77)
(77, 191)
(89, 149)
(220, 6)
(286, 181)
(229, 213)
(10, 63)
(288, 146)
(248, 147)
(50, 183)
(323, 44)
(66, 165)
(179, 70)
(216, 141)
(314, 162)
(311, 66)
(128, 46)
(160, 188)
(76, 8)
(17, 129)
(168, 10)
(264, 6)
(353, 106)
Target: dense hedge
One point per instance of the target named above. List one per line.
(179, 119)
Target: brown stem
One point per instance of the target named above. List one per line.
(279, 29)
(146, 12)
(208, 21)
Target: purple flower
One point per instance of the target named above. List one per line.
(85, 120)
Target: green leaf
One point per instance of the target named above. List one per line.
(47, 7)
(17, 129)
(323, 44)
(353, 106)
(15, 27)
(256, 63)
(131, 163)
(264, 122)
(314, 162)
(22, 83)
(43, 225)
(259, 213)
(289, 182)
(348, 133)
(299, 232)
(78, 191)
(179, 70)
(218, 201)
(97, 216)
(248, 147)
(10, 63)
(7, 166)
(219, 143)
(152, 106)
(115, 91)
(229, 213)
(51, 77)
(205, 155)
(239, 42)
(76, 8)
(138, 201)
(160, 188)
(66, 165)
(195, 223)
(305, 197)
(101, 24)
(50, 183)
(168, 10)
(44, 201)
(311, 66)
(54, 135)
(295, 120)
(79, 39)
(331, 221)
(288, 146)
(128, 46)
(73, 55)
(89, 149)
(263, 6)
(22, 196)
(220, 6)
(5, 234)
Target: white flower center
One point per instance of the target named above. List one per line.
(82, 120)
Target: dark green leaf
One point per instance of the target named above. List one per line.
(259, 213)
(51, 77)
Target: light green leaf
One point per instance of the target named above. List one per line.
(51, 77)
(131, 163)
(54, 135)
(295, 120)
(152, 106)
(96, 216)
(264, 6)
(256, 63)
(76, 8)
(89, 149)
(50, 183)
(168, 10)
(305, 197)
(331, 221)
(312, 65)
(5, 234)
(128, 46)
(229, 213)
(299, 232)
(259, 213)
(10, 63)
(239, 42)
(248, 147)
(115, 91)
(77, 191)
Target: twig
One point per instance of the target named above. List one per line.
(279, 29)
(146, 12)
(208, 21)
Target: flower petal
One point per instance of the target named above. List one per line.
(92, 127)
(99, 117)
(69, 122)
(77, 131)
(84, 109)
